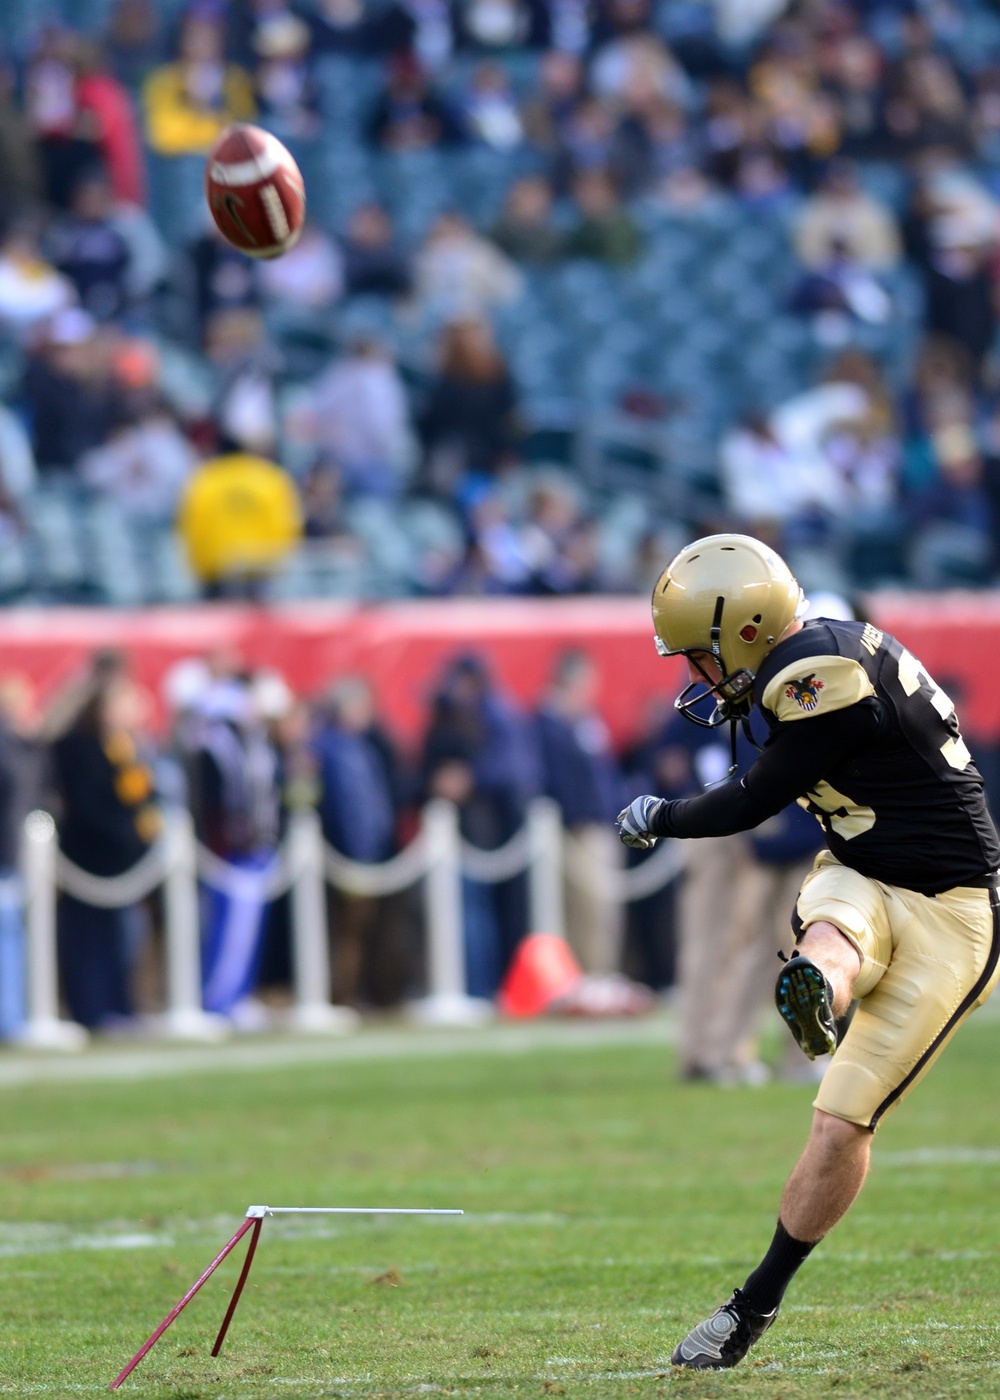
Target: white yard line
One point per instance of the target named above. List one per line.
(142, 1060)
(938, 1157)
(131, 1062)
(25, 1238)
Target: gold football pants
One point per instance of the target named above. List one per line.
(927, 962)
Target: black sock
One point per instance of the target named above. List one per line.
(765, 1287)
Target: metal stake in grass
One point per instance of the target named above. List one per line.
(253, 1221)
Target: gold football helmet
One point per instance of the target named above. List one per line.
(726, 598)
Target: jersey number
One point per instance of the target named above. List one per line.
(913, 677)
(836, 812)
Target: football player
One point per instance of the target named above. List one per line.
(899, 915)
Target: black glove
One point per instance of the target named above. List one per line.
(635, 819)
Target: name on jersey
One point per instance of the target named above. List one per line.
(871, 639)
(805, 692)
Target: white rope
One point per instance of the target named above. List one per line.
(282, 875)
(362, 878)
(624, 886)
(503, 863)
(376, 878)
(113, 891)
(655, 873)
(238, 882)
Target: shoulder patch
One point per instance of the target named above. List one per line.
(816, 685)
(805, 692)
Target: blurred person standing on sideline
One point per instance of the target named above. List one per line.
(718, 871)
(580, 771)
(235, 803)
(358, 815)
(21, 768)
(107, 820)
(448, 774)
(481, 752)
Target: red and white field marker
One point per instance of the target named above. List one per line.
(253, 1221)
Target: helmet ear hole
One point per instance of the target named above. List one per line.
(748, 633)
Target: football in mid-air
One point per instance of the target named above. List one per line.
(254, 191)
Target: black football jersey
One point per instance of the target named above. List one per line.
(907, 805)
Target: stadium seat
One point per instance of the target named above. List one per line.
(112, 561)
(55, 545)
(169, 576)
(390, 550)
(176, 196)
(87, 15)
(15, 568)
(348, 88)
(321, 569)
(18, 18)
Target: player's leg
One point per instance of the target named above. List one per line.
(821, 1189)
(824, 1182)
(925, 964)
(845, 944)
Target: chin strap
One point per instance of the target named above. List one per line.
(736, 723)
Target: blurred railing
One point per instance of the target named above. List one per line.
(438, 857)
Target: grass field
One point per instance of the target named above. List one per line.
(608, 1208)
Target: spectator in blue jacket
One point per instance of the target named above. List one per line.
(581, 772)
(481, 752)
(358, 815)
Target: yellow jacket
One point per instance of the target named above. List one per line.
(177, 126)
(239, 515)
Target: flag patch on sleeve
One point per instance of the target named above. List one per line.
(805, 692)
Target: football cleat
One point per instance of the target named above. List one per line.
(804, 998)
(723, 1339)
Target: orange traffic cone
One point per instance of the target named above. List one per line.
(543, 970)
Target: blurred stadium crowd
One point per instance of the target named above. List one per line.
(581, 278)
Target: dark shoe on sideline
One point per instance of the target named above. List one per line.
(723, 1339)
(805, 999)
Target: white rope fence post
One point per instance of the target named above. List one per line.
(310, 948)
(439, 856)
(447, 1002)
(185, 1019)
(546, 910)
(43, 1028)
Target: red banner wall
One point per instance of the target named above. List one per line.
(402, 646)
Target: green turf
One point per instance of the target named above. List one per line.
(608, 1209)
